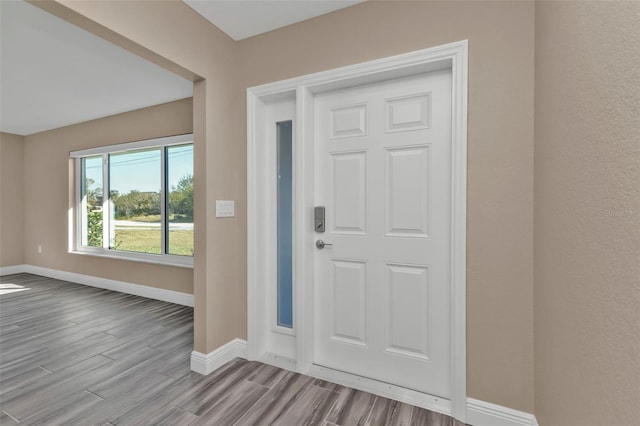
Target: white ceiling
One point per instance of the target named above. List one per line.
(241, 19)
(54, 74)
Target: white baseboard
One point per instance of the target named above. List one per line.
(10, 270)
(107, 284)
(480, 413)
(208, 363)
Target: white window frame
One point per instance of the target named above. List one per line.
(105, 251)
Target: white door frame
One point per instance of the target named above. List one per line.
(302, 90)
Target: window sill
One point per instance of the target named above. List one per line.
(167, 260)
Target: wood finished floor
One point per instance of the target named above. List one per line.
(77, 355)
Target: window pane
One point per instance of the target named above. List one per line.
(285, 228)
(135, 185)
(92, 201)
(180, 200)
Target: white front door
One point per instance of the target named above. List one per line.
(382, 289)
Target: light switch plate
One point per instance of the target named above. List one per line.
(225, 208)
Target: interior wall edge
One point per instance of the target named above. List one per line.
(12, 199)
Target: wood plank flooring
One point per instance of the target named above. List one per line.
(77, 355)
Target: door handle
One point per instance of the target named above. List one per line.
(321, 244)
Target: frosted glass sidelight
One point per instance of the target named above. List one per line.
(285, 224)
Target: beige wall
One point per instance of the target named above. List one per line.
(47, 184)
(11, 199)
(587, 213)
(500, 160)
(586, 260)
(172, 34)
(500, 321)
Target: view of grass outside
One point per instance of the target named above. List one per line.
(134, 184)
(135, 203)
(180, 205)
(140, 234)
(143, 240)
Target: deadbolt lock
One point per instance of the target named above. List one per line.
(318, 219)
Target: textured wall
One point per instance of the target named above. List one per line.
(11, 199)
(500, 153)
(48, 188)
(587, 213)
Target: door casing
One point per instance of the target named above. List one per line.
(301, 91)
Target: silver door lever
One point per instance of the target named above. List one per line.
(321, 244)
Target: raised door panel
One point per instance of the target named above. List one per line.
(348, 121)
(408, 113)
(348, 285)
(349, 189)
(407, 311)
(407, 192)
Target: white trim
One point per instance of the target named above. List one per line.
(283, 111)
(459, 83)
(411, 63)
(14, 269)
(481, 413)
(208, 363)
(279, 361)
(304, 191)
(164, 196)
(106, 210)
(107, 284)
(453, 56)
(253, 334)
(387, 390)
(133, 146)
(262, 312)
